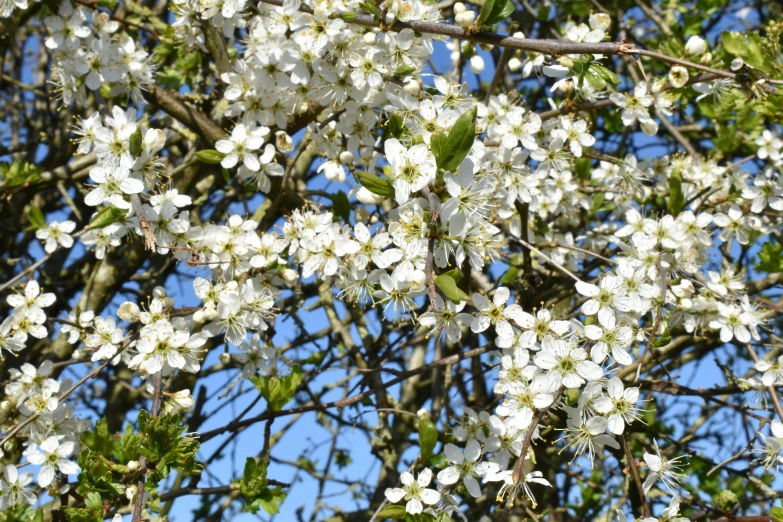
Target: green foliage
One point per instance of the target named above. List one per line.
(278, 391)
(770, 258)
(341, 208)
(136, 143)
(450, 150)
(595, 73)
(393, 512)
(36, 217)
(375, 184)
(776, 513)
(210, 156)
(676, 197)
(255, 489)
(21, 513)
(104, 458)
(396, 126)
(165, 447)
(19, 173)
(494, 11)
(428, 438)
(446, 283)
(106, 216)
(753, 50)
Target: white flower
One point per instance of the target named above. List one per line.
(415, 492)
(240, 147)
(13, 488)
(494, 313)
(566, 364)
(112, 185)
(635, 107)
(609, 338)
(732, 322)
(465, 466)
(52, 455)
(619, 406)
(733, 224)
(604, 298)
(668, 471)
(413, 168)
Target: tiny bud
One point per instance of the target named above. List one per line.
(736, 64)
(168, 303)
(725, 501)
(225, 358)
(348, 17)
(346, 157)
(514, 64)
(129, 312)
(369, 198)
(412, 88)
(465, 19)
(198, 317)
(159, 291)
(133, 465)
(290, 275)
(459, 8)
(423, 414)
(695, 45)
(369, 38)
(706, 59)
(476, 64)
(5, 405)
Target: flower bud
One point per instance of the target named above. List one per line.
(514, 64)
(369, 38)
(412, 88)
(423, 414)
(369, 198)
(346, 157)
(736, 64)
(706, 59)
(476, 64)
(290, 275)
(168, 303)
(465, 19)
(695, 45)
(159, 291)
(459, 8)
(225, 358)
(129, 312)
(678, 75)
(725, 501)
(133, 465)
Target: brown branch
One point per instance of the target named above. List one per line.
(529, 437)
(635, 474)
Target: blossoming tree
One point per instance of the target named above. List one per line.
(391, 259)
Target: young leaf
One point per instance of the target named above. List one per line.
(210, 156)
(449, 287)
(770, 258)
(428, 437)
(393, 512)
(375, 184)
(450, 152)
(106, 216)
(341, 207)
(36, 217)
(676, 196)
(278, 391)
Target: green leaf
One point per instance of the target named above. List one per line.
(455, 274)
(438, 461)
(19, 173)
(450, 151)
(36, 217)
(271, 500)
(676, 197)
(751, 49)
(393, 512)
(770, 258)
(341, 207)
(106, 216)
(776, 513)
(136, 143)
(395, 126)
(371, 9)
(404, 70)
(108, 4)
(375, 184)
(494, 11)
(428, 437)
(210, 156)
(278, 391)
(450, 289)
